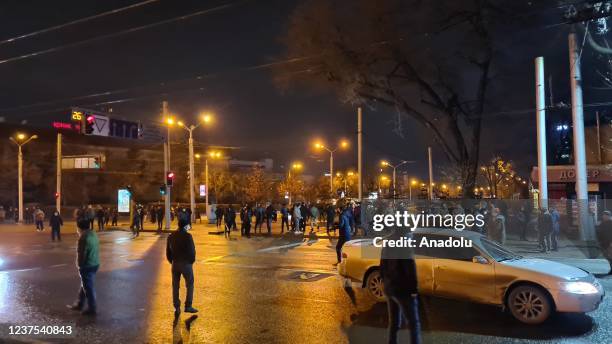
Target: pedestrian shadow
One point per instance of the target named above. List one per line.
(442, 315)
(182, 334)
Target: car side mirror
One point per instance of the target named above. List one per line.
(479, 260)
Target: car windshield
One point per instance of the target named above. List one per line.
(498, 252)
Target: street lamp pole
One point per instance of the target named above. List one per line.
(207, 187)
(19, 144)
(191, 174)
(394, 167)
(343, 144)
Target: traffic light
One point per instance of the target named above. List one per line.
(89, 124)
(57, 194)
(162, 190)
(169, 178)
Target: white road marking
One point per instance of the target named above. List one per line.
(57, 265)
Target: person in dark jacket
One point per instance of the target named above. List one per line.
(398, 272)
(56, 222)
(100, 218)
(545, 228)
(181, 253)
(230, 219)
(88, 262)
(159, 216)
(284, 218)
(330, 214)
(270, 214)
(344, 233)
(604, 236)
(219, 216)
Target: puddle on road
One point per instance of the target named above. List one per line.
(305, 276)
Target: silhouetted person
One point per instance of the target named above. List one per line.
(180, 252)
(56, 222)
(398, 272)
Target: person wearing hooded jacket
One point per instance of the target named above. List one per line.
(181, 253)
(55, 222)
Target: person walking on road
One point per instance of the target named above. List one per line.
(297, 218)
(88, 262)
(270, 215)
(181, 253)
(100, 218)
(545, 228)
(230, 218)
(399, 275)
(56, 222)
(39, 218)
(344, 233)
(259, 217)
(330, 214)
(159, 217)
(284, 218)
(91, 215)
(114, 217)
(136, 223)
(314, 218)
(604, 236)
(219, 216)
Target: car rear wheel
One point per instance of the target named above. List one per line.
(375, 286)
(529, 304)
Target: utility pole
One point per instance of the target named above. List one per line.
(331, 172)
(586, 228)
(58, 174)
(541, 131)
(359, 152)
(166, 168)
(207, 189)
(430, 174)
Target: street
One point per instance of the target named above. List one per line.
(258, 290)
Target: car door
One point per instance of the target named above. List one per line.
(457, 277)
(424, 265)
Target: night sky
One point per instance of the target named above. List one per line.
(252, 112)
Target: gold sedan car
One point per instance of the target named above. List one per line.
(487, 273)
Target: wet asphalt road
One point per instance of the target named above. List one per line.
(258, 290)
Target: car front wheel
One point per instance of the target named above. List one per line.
(529, 304)
(374, 284)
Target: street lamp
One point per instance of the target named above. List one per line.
(211, 155)
(342, 145)
(385, 163)
(413, 182)
(205, 118)
(20, 139)
(297, 166)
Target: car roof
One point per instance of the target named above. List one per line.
(449, 232)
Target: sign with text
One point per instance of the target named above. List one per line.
(98, 123)
(202, 190)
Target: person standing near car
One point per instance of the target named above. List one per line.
(56, 222)
(604, 236)
(344, 232)
(545, 228)
(556, 229)
(399, 275)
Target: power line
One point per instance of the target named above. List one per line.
(116, 34)
(74, 22)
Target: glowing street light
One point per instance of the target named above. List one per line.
(190, 129)
(20, 140)
(385, 163)
(342, 145)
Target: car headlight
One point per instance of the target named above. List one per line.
(579, 287)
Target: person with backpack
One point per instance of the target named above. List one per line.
(56, 222)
